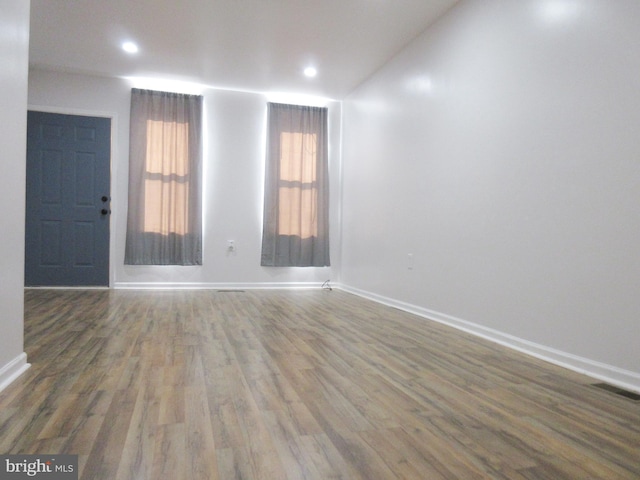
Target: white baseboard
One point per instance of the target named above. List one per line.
(53, 287)
(607, 373)
(215, 286)
(13, 370)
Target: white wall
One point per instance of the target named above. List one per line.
(502, 149)
(14, 56)
(234, 173)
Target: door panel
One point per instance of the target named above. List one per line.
(68, 174)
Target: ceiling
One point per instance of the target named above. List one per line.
(252, 45)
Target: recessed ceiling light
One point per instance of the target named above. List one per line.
(310, 72)
(130, 47)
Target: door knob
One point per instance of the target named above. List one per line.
(104, 211)
(105, 198)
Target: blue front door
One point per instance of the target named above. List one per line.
(68, 200)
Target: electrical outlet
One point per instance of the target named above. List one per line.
(231, 246)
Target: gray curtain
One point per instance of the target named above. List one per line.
(164, 222)
(296, 204)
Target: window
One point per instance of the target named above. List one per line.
(164, 223)
(295, 229)
(166, 179)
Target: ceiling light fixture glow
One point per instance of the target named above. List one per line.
(554, 11)
(130, 47)
(297, 99)
(310, 72)
(166, 85)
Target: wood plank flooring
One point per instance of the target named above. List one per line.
(297, 385)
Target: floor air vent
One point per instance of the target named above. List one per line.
(230, 291)
(618, 391)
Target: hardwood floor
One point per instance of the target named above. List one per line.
(297, 385)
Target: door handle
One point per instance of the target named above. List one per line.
(105, 198)
(104, 211)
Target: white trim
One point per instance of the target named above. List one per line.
(13, 370)
(217, 286)
(608, 373)
(62, 287)
(70, 111)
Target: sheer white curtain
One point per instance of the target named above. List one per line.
(164, 222)
(296, 225)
